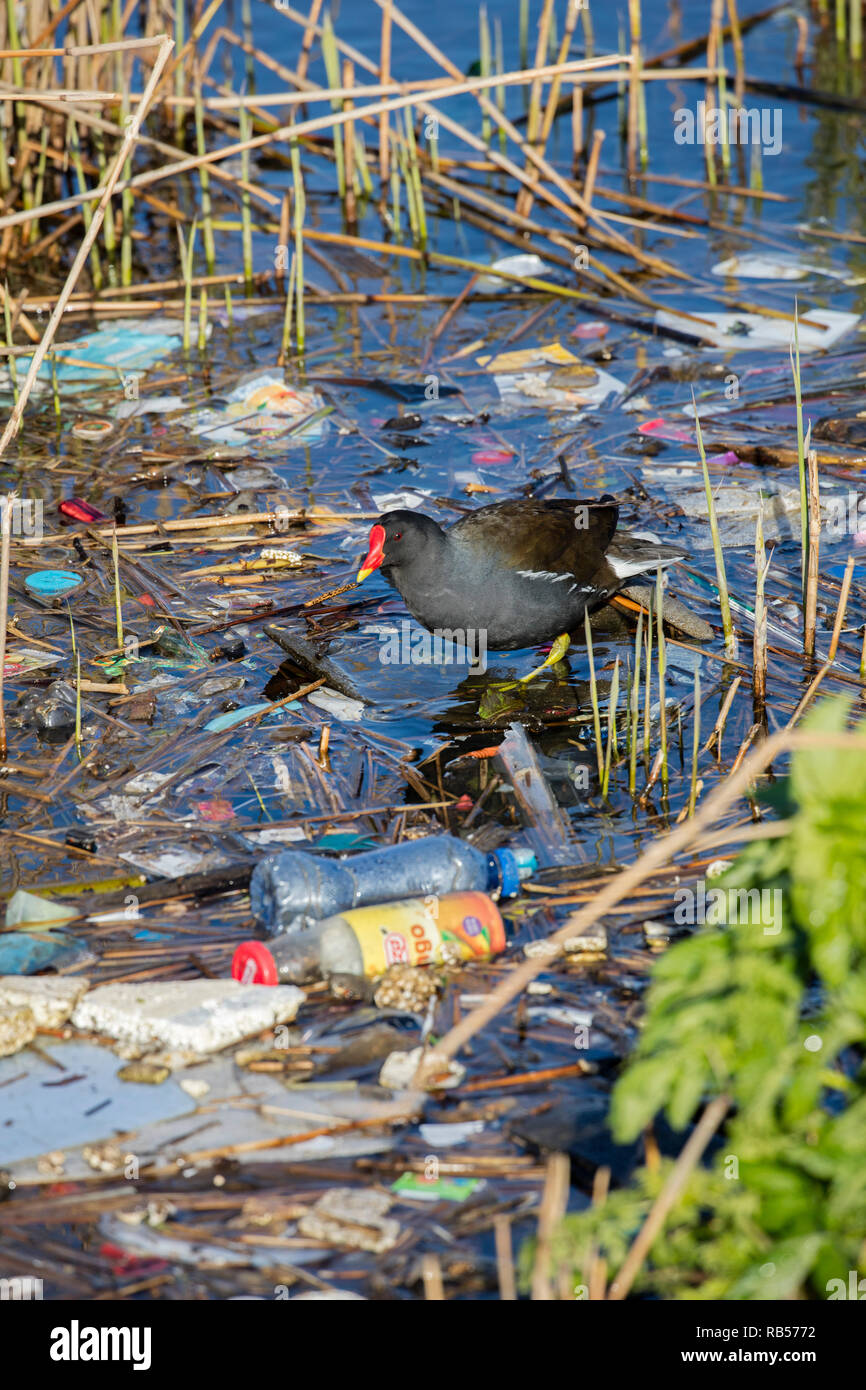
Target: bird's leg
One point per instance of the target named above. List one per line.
(555, 655)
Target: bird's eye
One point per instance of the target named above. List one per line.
(398, 536)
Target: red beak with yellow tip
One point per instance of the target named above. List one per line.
(375, 555)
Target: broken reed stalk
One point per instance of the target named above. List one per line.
(634, 707)
(11, 363)
(384, 117)
(245, 128)
(696, 743)
(810, 606)
(634, 86)
(14, 422)
(349, 204)
(593, 692)
(739, 56)
(662, 667)
(298, 259)
(759, 641)
(721, 579)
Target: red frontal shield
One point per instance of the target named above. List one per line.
(375, 555)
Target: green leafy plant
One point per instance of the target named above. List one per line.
(769, 1010)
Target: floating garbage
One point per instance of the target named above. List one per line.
(263, 407)
(778, 267)
(525, 264)
(52, 583)
(127, 344)
(26, 909)
(200, 1016)
(73, 509)
(420, 1189)
(92, 429)
(439, 929)
(292, 889)
(549, 375)
(818, 328)
(25, 953)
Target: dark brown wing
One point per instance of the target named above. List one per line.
(556, 536)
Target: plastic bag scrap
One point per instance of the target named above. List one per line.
(747, 331)
(261, 405)
(523, 264)
(564, 381)
(126, 345)
(779, 267)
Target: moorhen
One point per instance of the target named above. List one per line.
(523, 572)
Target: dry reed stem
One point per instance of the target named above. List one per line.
(165, 47)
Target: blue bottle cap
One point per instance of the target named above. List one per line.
(504, 872)
(52, 583)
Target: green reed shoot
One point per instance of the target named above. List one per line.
(204, 176)
(202, 319)
(647, 703)
(609, 752)
(287, 317)
(593, 692)
(484, 65)
(696, 741)
(662, 668)
(634, 707)
(721, 579)
(802, 450)
(332, 70)
(118, 613)
(187, 253)
(415, 179)
(499, 68)
(55, 384)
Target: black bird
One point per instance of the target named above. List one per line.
(522, 572)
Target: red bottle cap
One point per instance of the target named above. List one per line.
(253, 964)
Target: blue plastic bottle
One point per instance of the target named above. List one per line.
(290, 890)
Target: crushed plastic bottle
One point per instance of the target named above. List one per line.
(365, 941)
(290, 890)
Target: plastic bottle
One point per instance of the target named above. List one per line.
(366, 940)
(290, 890)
